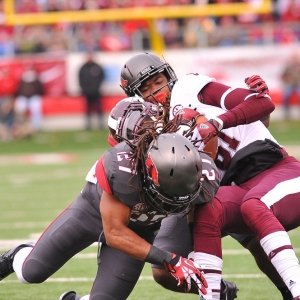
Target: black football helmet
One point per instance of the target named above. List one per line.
(129, 115)
(174, 170)
(139, 68)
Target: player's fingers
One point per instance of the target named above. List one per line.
(200, 285)
(252, 78)
(257, 83)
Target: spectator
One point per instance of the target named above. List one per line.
(291, 11)
(6, 119)
(29, 97)
(91, 76)
(7, 90)
(291, 82)
(173, 35)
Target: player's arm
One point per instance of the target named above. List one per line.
(115, 217)
(242, 107)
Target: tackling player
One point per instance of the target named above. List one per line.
(128, 192)
(151, 77)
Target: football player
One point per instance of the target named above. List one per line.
(119, 127)
(263, 199)
(129, 119)
(153, 78)
(128, 192)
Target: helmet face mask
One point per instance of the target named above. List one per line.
(142, 67)
(174, 170)
(135, 118)
(130, 116)
(170, 205)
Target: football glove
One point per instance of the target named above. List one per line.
(189, 116)
(258, 85)
(209, 129)
(186, 272)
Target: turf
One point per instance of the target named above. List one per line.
(32, 195)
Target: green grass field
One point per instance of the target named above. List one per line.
(35, 189)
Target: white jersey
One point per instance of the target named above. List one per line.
(185, 92)
(185, 95)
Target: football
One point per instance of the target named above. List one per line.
(212, 146)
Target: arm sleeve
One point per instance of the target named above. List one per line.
(241, 105)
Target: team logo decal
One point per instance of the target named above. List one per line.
(177, 110)
(124, 82)
(203, 126)
(152, 170)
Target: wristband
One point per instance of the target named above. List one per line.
(218, 123)
(158, 256)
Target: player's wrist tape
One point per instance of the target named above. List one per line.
(158, 256)
(217, 123)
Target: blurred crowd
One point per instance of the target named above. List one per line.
(279, 27)
(20, 101)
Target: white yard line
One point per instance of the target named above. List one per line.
(8, 244)
(89, 279)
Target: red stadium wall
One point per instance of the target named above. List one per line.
(64, 105)
(59, 73)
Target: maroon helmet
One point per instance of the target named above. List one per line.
(128, 116)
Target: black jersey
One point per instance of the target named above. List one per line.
(115, 175)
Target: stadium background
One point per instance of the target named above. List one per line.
(228, 40)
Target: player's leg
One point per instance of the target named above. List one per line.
(73, 230)
(174, 236)
(117, 272)
(267, 267)
(117, 275)
(251, 242)
(89, 111)
(36, 112)
(267, 207)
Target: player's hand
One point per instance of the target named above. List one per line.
(257, 84)
(209, 129)
(189, 116)
(186, 119)
(186, 272)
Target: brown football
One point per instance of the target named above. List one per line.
(212, 146)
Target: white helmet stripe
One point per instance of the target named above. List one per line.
(112, 123)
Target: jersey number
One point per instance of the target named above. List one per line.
(224, 153)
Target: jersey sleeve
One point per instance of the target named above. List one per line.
(101, 175)
(185, 92)
(210, 180)
(241, 105)
(116, 176)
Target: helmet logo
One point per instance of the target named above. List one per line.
(124, 82)
(146, 70)
(178, 110)
(152, 170)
